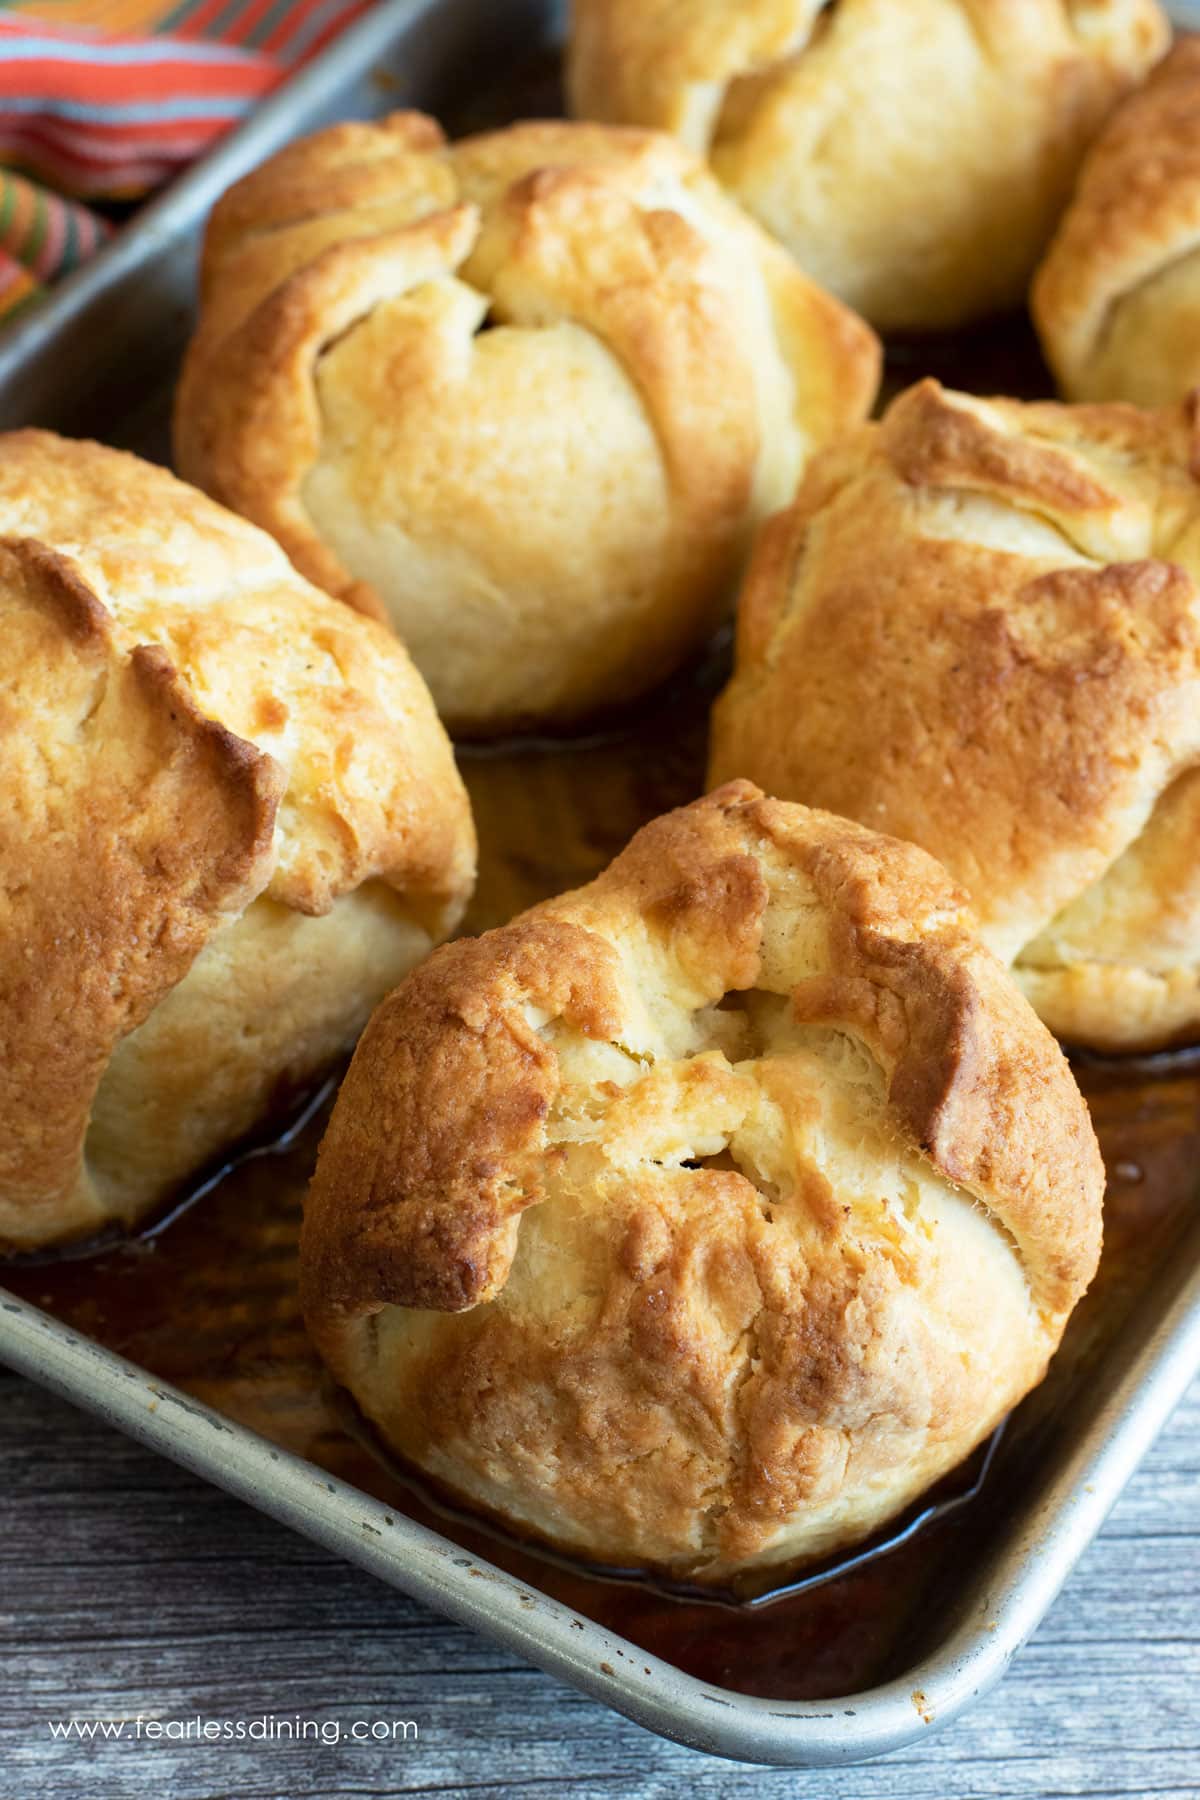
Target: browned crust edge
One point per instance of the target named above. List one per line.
(178, 815)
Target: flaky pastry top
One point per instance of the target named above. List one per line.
(1117, 299)
(440, 1140)
(978, 628)
(924, 198)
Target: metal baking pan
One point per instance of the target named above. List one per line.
(189, 1339)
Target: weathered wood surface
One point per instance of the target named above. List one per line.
(127, 1586)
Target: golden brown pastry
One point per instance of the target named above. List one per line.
(523, 395)
(702, 1217)
(978, 628)
(229, 822)
(912, 154)
(1117, 300)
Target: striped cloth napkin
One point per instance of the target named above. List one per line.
(107, 99)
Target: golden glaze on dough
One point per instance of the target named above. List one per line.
(1013, 684)
(913, 157)
(524, 395)
(701, 1217)
(205, 760)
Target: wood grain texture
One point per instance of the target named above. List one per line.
(127, 1586)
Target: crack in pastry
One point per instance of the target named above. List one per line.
(1014, 686)
(523, 395)
(230, 822)
(923, 198)
(1117, 299)
(700, 1218)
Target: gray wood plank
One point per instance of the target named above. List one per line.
(127, 1586)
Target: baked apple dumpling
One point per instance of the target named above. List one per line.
(699, 1219)
(231, 821)
(523, 395)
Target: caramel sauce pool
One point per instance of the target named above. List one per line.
(208, 1301)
